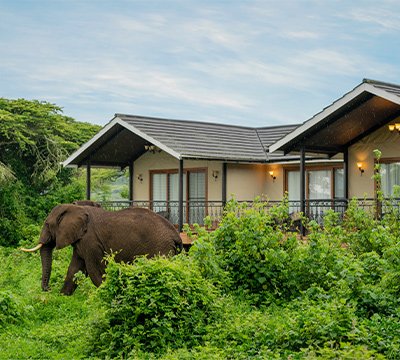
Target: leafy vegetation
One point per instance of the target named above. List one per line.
(35, 137)
(249, 290)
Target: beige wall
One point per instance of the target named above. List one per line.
(245, 181)
(164, 161)
(274, 189)
(385, 141)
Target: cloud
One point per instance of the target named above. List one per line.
(209, 60)
(380, 19)
(302, 34)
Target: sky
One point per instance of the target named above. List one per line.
(252, 63)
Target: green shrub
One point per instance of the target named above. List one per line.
(205, 256)
(268, 264)
(153, 305)
(9, 309)
(252, 249)
(382, 333)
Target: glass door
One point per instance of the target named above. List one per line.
(197, 197)
(159, 192)
(173, 188)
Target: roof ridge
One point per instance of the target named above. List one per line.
(262, 145)
(276, 126)
(378, 82)
(184, 121)
(208, 122)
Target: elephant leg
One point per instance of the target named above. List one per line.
(77, 264)
(96, 268)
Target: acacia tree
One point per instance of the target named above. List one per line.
(34, 138)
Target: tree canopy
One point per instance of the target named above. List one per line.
(35, 137)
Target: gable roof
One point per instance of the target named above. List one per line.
(357, 114)
(123, 139)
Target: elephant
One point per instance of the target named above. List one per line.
(86, 203)
(94, 232)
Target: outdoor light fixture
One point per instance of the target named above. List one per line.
(140, 178)
(152, 148)
(215, 174)
(271, 173)
(394, 127)
(359, 165)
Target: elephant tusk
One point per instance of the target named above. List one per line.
(37, 247)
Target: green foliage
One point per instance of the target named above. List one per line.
(334, 295)
(9, 310)
(160, 303)
(34, 138)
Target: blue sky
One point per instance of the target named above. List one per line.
(255, 63)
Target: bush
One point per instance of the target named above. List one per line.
(270, 265)
(153, 305)
(252, 248)
(9, 309)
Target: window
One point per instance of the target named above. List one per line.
(390, 172)
(321, 184)
(165, 194)
(339, 191)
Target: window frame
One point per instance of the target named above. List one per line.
(332, 169)
(186, 173)
(388, 160)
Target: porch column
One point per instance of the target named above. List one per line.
(88, 173)
(180, 205)
(346, 173)
(131, 177)
(223, 184)
(302, 185)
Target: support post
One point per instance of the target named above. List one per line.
(131, 177)
(180, 205)
(302, 186)
(88, 175)
(223, 184)
(346, 173)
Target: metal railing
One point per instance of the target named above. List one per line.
(196, 211)
(193, 211)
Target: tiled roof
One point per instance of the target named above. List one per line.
(202, 140)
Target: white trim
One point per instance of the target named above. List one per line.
(319, 117)
(384, 94)
(117, 121)
(149, 139)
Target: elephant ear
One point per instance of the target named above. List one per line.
(71, 226)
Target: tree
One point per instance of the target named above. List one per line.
(35, 137)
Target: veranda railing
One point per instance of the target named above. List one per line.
(195, 211)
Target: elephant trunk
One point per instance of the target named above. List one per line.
(46, 254)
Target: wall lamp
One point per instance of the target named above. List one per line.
(152, 148)
(273, 177)
(140, 178)
(394, 127)
(359, 165)
(215, 175)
